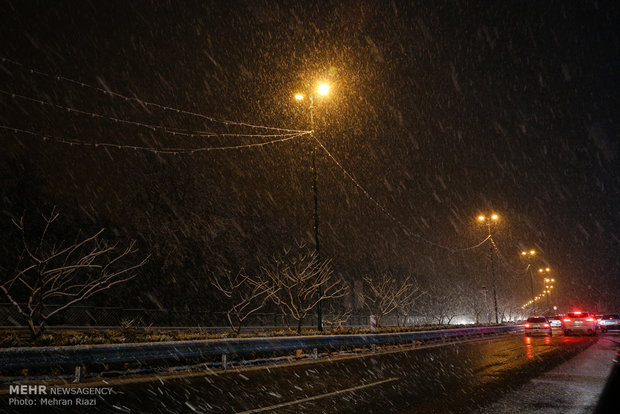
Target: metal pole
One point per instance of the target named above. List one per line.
(529, 266)
(493, 273)
(317, 246)
(486, 304)
(494, 290)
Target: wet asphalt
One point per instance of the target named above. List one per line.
(439, 379)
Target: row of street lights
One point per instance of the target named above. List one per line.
(322, 90)
(543, 271)
(549, 283)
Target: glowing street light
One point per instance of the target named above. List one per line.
(322, 89)
(493, 217)
(549, 283)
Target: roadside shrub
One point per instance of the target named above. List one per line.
(10, 340)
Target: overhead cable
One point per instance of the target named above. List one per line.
(163, 150)
(390, 215)
(163, 128)
(145, 103)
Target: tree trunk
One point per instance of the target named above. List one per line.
(299, 325)
(235, 327)
(35, 331)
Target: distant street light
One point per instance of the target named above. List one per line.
(548, 283)
(322, 89)
(488, 220)
(529, 255)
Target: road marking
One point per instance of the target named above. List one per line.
(317, 397)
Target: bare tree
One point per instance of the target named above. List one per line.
(383, 295)
(244, 296)
(444, 304)
(336, 317)
(473, 301)
(508, 307)
(65, 275)
(292, 280)
(406, 303)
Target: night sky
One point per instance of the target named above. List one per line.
(440, 110)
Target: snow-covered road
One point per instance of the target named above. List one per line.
(570, 388)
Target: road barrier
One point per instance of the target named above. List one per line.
(373, 324)
(84, 355)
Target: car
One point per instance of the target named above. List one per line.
(537, 325)
(579, 322)
(555, 321)
(609, 321)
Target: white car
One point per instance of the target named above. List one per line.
(609, 321)
(537, 325)
(579, 322)
(555, 321)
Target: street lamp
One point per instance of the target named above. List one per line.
(486, 307)
(322, 89)
(529, 255)
(548, 283)
(488, 220)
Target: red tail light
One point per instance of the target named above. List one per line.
(590, 319)
(566, 320)
(527, 325)
(545, 325)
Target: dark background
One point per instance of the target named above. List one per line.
(441, 110)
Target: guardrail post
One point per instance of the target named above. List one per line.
(224, 362)
(373, 348)
(78, 374)
(315, 353)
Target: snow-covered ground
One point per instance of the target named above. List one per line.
(570, 388)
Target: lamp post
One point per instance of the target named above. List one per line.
(529, 255)
(549, 282)
(486, 307)
(322, 89)
(488, 220)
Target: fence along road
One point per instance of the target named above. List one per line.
(21, 358)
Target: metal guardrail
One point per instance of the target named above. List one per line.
(20, 358)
